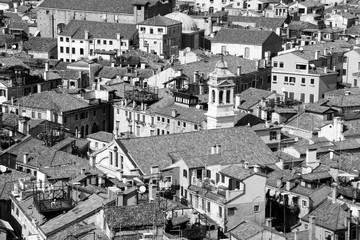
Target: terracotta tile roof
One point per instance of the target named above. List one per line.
(238, 143)
(207, 65)
(237, 171)
(159, 21)
(354, 30)
(85, 231)
(260, 22)
(246, 230)
(75, 215)
(12, 62)
(252, 96)
(300, 25)
(40, 44)
(128, 217)
(111, 72)
(243, 36)
(112, 6)
(307, 121)
(52, 100)
(329, 215)
(190, 114)
(76, 29)
(243, 119)
(102, 136)
(344, 101)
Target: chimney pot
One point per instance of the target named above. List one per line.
(25, 158)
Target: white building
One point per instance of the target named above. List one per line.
(160, 35)
(85, 39)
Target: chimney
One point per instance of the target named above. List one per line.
(119, 199)
(112, 64)
(227, 194)
(334, 192)
(151, 193)
(257, 63)
(196, 76)
(331, 154)
(142, 65)
(319, 37)
(268, 222)
(86, 35)
(317, 54)
(213, 149)
(325, 51)
(311, 155)
(16, 7)
(23, 124)
(238, 72)
(46, 72)
(280, 164)
(82, 171)
(246, 165)
(325, 69)
(134, 104)
(267, 124)
(154, 169)
(25, 158)
(256, 168)
(312, 227)
(288, 185)
(237, 101)
(92, 161)
(296, 234)
(174, 113)
(334, 68)
(267, 58)
(218, 149)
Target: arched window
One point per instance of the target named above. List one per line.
(221, 95)
(228, 96)
(213, 95)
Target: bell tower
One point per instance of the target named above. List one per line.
(220, 112)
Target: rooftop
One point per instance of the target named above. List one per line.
(40, 44)
(102, 136)
(52, 100)
(329, 215)
(159, 21)
(260, 22)
(252, 96)
(237, 171)
(77, 214)
(243, 36)
(195, 147)
(76, 29)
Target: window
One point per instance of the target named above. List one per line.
(208, 173)
(302, 97)
(111, 158)
(223, 178)
(151, 31)
(208, 207)
(292, 80)
(61, 39)
(67, 39)
(81, 51)
(160, 30)
(61, 49)
(355, 83)
(184, 124)
(195, 127)
(185, 173)
(304, 203)
(291, 95)
(142, 29)
(281, 64)
(17, 212)
(273, 135)
(32, 114)
(286, 79)
(303, 81)
(168, 120)
(311, 98)
(163, 119)
(231, 211)
(274, 78)
(104, 42)
(344, 71)
(256, 208)
(98, 41)
(94, 113)
(73, 50)
(76, 117)
(110, 42)
(312, 81)
(67, 49)
(301, 66)
(247, 52)
(179, 123)
(275, 64)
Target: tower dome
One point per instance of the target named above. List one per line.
(188, 24)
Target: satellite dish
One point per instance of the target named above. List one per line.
(142, 189)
